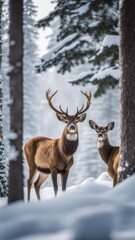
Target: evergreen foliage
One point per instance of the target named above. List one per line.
(88, 34)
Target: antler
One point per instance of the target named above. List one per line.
(79, 112)
(82, 109)
(49, 98)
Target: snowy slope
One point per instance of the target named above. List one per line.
(90, 210)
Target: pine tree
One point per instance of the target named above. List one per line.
(3, 174)
(88, 34)
(127, 87)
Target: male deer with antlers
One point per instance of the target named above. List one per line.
(108, 153)
(54, 156)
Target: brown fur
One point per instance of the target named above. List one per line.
(110, 155)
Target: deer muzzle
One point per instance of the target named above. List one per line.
(100, 137)
(72, 128)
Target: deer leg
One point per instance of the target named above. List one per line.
(64, 177)
(54, 180)
(32, 173)
(42, 177)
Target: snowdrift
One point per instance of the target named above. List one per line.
(92, 210)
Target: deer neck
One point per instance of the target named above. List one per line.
(104, 149)
(69, 142)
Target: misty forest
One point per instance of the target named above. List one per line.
(67, 125)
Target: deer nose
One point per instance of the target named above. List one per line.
(72, 127)
(100, 135)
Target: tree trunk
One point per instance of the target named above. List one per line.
(127, 88)
(3, 175)
(16, 105)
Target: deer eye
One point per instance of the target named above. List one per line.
(77, 118)
(65, 118)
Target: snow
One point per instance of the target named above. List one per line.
(13, 153)
(100, 75)
(12, 135)
(48, 56)
(105, 73)
(108, 41)
(12, 42)
(91, 210)
(94, 24)
(72, 46)
(82, 10)
(81, 76)
(67, 44)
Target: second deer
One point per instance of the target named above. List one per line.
(54, 156)
(108, 153)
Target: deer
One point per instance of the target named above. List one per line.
(109, 154)
(54, 156)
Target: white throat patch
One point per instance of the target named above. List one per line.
(100, 144)
(72, 137)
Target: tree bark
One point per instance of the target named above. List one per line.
(16, 105)
(127, 88)
(3, 175)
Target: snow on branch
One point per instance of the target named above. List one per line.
(83, 76)
(74, 44)
(56, 12)
(106, 73)
(114, 73)
(59, 46)
(65, 45)
(81, 10)
(94, 24)
(46, 20)
(109, 41)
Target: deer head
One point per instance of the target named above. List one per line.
(101, 130)
(71, 121)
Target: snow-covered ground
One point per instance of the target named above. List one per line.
(92, 210)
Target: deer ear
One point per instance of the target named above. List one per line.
(110, 126)
(92, 124)
(81, 118)
(61, 117)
